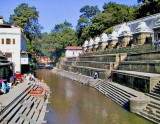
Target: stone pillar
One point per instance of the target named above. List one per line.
(84, 49)
(95, 46)
(137, 104)
(140, 38)
(112, 44)
(89, 49)
(103, 45)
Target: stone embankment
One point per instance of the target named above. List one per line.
(132, 100)
(20, 106)
(133, 71)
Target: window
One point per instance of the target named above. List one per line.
(2, 41)
(13, 41)
(8, 41)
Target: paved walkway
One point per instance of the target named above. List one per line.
(6, 99)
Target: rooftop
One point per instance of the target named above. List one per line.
(74, 48)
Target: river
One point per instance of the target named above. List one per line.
(74, 103)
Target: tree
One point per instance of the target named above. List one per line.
(27, 18)
(118, 13)
(84, 22)
(148, 7)
(60, 27)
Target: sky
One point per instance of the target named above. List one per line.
(52, 12)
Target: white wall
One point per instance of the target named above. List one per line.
(69, 53)
(15, 49)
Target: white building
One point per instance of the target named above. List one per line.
(12, 43)
(73, 51)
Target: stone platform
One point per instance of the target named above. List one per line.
(144, 82)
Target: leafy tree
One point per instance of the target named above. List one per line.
(60, 27)
(87, 13)
(27, 18)
(118, 13)
(148, 7)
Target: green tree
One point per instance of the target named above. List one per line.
(27, 18)
(118, 13)
(60, 27)
(148, 7)
(87, 13)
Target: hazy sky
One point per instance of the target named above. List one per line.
(53, 12)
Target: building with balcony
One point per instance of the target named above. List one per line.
(13, 44)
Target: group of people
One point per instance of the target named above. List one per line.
(5, 85)
(30, 77)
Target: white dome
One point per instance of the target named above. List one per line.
(114, 36)
(97, 40)
(91, 42)
(157, 24)
(126, 31)
(104, 38)
(119, 31)
(142, 27)
(126, 28)
(85, 43)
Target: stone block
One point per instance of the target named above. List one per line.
(137, 104)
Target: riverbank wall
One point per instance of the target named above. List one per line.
(134, 71)
(132, 100)
(21, 105)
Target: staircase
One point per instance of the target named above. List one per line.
(152, 111)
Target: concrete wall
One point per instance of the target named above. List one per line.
(141, 66)
(152, 55)
(137, 83)
(101, 58)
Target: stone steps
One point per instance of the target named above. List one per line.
(153, 105)
(149, 116)
(153, 96)
(13, 105)
(120, 95)
(152, 111)
(116, 93)
(119, 90)
(95, 64)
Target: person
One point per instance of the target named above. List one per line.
(32, 77)
(3, 87)
(156, 45)
(95, 75)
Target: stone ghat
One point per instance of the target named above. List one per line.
(88, 71)
(132, 100)
(27, 108)
(150, 66)
(71, 58)
(139, 56)
(101, 58)
(140, 81)
(94, 64)
(135, 48)
(118, 93)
